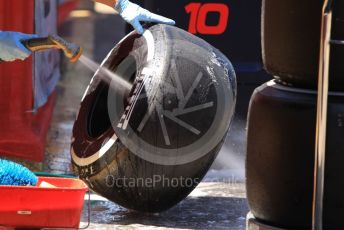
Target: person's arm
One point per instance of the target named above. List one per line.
(11, 47)
(134, 14)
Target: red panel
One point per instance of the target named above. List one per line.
(25, 138)
(22, 134)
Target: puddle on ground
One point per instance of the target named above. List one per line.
(213, 206)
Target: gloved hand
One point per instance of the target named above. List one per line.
(135, 14)
(11, 47)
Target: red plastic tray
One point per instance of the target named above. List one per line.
(35, 207)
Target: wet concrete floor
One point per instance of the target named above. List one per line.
(209, 206)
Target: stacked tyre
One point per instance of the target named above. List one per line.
(282, 115)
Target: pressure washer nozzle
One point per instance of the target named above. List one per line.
(71, 50)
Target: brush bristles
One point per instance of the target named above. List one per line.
(13, 174)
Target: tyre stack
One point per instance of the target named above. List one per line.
(282, 118)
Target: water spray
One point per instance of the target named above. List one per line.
(74, 53)
(106, 75)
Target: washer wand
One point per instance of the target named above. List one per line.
(71, 50)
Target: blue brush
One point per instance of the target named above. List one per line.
(13, 174)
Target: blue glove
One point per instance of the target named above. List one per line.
(134, 14)
(11, 47)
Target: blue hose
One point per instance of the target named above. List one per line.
(13, 174)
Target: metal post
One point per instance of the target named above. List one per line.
(320, 142)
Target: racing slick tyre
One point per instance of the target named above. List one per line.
(280, 157)
(153, 118)
(291, 42)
